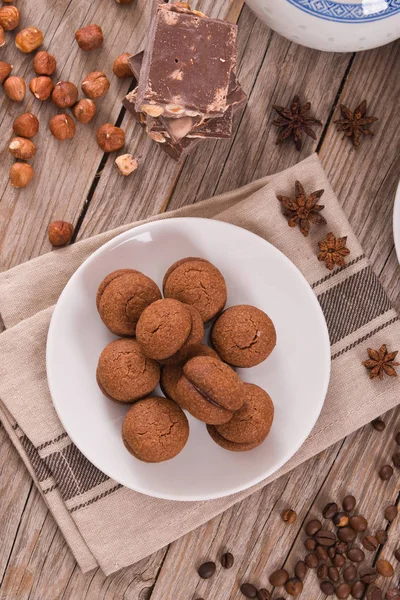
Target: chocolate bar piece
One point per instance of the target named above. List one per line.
(187, 64)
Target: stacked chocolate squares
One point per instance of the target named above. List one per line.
(187, 87)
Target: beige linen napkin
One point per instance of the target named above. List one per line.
(108, 525)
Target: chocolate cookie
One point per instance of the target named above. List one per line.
(249, 426)
(194, 339)
(244, 336)
(155, 429)
(170, 374)
(210, 390)
(122, 297)
(163, 328)
(197, 282)
(124, 373)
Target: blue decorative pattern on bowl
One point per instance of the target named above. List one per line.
(359, 12)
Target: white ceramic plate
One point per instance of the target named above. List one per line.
(396, 222)
(256, 273)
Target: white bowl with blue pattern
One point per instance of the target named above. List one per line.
(345, 26)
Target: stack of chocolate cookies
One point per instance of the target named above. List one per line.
(187, 88)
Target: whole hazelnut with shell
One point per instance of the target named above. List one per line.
(15, 88)
(29, 39)
(89, 37)
(121, 66)
(22, 148)
(44, 63)
(5, 70)
(26, 125)
(41, 87)
(62, 127)
(84, 110)
(9, 17)
(95, 84)
(60, 233)
(21, 174)
(110, 138)
(65, 94)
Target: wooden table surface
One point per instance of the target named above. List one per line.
(74, 181)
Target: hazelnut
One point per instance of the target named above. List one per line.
(9, 17)
(26, 125)
(89, 37)
(41, 87)
(65, 94)
(126, 164)
(182, 5)
(121, 66)
(21, 174)
(60, 233)
(151, 110)
(2, 37)
(5, 70)
(62, 127)
(15, 88)
(29, 39)
(8, 1)
(84, 110)
(44, 63)
(95, 84)
(110, 138)
(22, 148)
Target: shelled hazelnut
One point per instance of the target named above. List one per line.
(44, 63)
(2, 37)
(110, 138)
(127, 164)
(41, 87)
(62, 127)
(15, 88)
(22, 148)
(84, 110)
(26, 125)
(21, 174)
(95, 84)
(121, 66)
(60, 233)
(5, 70)
(29, 39)
(65, 94)
(89, 37)
(9, 17)
(8, 1)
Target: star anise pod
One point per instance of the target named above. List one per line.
(303, 210)
(380, 362)
(293, 121)
(333, 251)
(355, 123)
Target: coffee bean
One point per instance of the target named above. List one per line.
(322, 553)
(300, 570)
(322, 571)
(397, 438)
(397, 554)
(327, 588)
(349, 503)
(207, 570)
(331, 552)
(355, 555)
(311, 560)
(289, 516)
(325, 538)
(385, 472)
(279, 577)
(333, 574)
(396, 460)
(313, 526)
(393, 594)
(347, 534)
(343, 591)
(358, 523)
(370, 543)
(358, 589)
(341, 519)
(227, 560)
(248, 590)
(378, 424)
(391, 512)
(384, 568)
(330, 510)
(339, 560)
(294, 587)
(350, 573)
(263, 594)
(368, 575)
(341, 547)
(374, 593)
(310, 544)
(382, 536)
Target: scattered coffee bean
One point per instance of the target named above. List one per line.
(393, 594)
(378, 424)
(248, 590)
(385, 472)
(349, 503)
(384, 568)
(368, 575)
(331, 552)
(322, 553)
(325, 538)
(347, 534)
(227, 560)
(310, 544)
(294, 587)
(343, 591)
(279, 577)
(397, 438)
(396, 460)
(289, 516)
(358, 589)
(374, 593)
(350, 573)
(370, 543)
(339, 560)
(391, 512)
(313, 527)
(327, 588)
(341, 519)
(358, 523)
(333, 574)
(382, 536)
(322, 571)
(207, 570)
(355, 555)
(300, 570)
(311, 560)
(263, 594)
(397, 554)
(330, 510)
(341, 547)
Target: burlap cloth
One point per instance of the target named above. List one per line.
(108, 525)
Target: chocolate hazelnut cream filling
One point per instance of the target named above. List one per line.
(206, 396)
